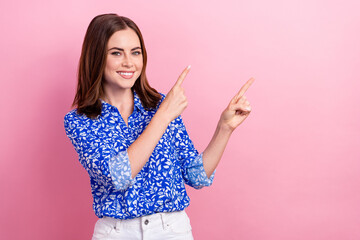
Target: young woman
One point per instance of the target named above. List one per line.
(132, 140)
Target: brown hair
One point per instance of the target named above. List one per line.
(93, 61)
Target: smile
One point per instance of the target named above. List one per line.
(126, 75)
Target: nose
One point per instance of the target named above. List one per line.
(127, 62)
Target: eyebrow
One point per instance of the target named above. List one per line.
(121, 49)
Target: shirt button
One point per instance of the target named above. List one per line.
(146, 222)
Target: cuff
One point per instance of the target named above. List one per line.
(120, 171)
(197, 175)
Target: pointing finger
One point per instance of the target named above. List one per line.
(182, 76)
(243, 89)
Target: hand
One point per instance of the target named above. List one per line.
(238, 109)
(175, 101)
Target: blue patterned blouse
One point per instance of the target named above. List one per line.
(159, 187)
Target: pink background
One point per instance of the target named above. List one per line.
(290, 171)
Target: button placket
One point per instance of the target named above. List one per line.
(163, 221)
(117, 226)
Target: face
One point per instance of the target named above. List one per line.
(124, 60)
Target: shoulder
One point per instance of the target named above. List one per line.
(78, 126)
(72, 119)
(73, 116)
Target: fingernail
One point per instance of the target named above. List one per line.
(248, 108)
(189, 67)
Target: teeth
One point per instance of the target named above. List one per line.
(126, 74)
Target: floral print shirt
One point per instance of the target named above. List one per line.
(102, 144)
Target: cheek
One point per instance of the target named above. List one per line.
(139, 64)
(112, 64)
(109, 69)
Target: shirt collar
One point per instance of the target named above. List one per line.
(137, 103)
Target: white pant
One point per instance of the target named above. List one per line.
(174, 225)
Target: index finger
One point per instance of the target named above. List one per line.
(245, 87)
(182, 76)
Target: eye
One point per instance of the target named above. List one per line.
(137, 53)
(116, 53)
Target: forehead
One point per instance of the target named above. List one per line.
(126, 38)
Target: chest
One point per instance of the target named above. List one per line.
(114, 135)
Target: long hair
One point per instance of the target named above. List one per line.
(93, 61)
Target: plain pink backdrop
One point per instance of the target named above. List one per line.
(291, 171)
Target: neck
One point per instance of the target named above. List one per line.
(121, 99)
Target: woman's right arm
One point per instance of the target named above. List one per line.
(172, 106)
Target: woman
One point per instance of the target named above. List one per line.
(132, 140)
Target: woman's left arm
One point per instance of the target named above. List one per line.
(235, 113)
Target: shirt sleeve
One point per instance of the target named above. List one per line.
(120, 171)
(101, 161)
(191, 161)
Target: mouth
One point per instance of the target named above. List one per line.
(126, 74)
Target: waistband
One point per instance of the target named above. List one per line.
(148, 221)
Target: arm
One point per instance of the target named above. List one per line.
(141, 149)
(191, 162)
(215, 149)
(172, 106)
(235, 113)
